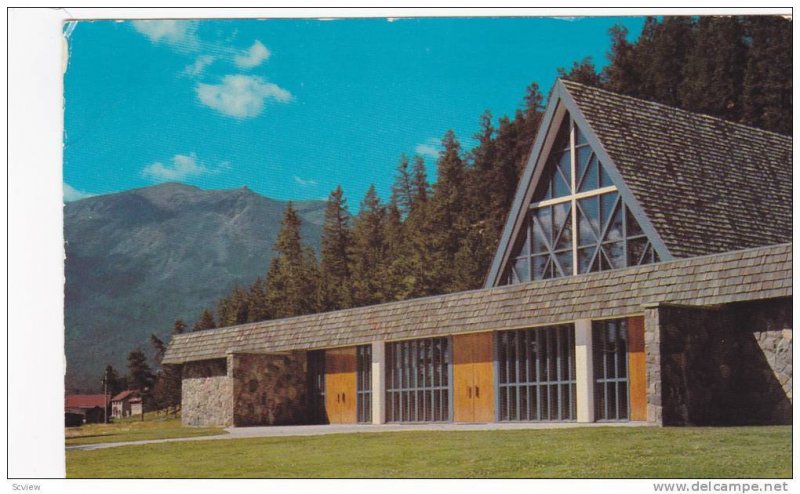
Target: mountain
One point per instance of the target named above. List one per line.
(138, 260)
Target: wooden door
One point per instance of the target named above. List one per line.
(473, 378)
(637, 369)
(340, 385)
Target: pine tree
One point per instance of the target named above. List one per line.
(368, 251)
(713, 75)
(336, 289)
(159, 347)
(114, 382)
(257, 301)
(293, 277)
(622, 74)
(419, 185)
(403, 193)
(140, 375)
(767, 88)
(393, 274)
(166, 390)
(446, 220)
(179, 327)
(234, 308)
(205, 322)
(583, 72)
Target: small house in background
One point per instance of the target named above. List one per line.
(136, 405)
(121, 403)
(84, 409)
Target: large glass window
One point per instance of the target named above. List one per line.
(364, 383)
(418, 381)
(610, 348)
(536, 374)
(577, 222)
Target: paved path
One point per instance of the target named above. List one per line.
(318, 430)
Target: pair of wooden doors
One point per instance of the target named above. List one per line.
(473, 378)
(340, 385)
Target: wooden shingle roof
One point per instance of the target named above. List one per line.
(707, 185)
(752, 274)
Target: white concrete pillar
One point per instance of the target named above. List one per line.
(584, 370)
(378, 382)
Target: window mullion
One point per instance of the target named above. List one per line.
(573, 191)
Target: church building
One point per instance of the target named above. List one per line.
(644, 274)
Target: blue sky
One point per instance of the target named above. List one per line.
(293, 108)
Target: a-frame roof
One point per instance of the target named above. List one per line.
(705, 185)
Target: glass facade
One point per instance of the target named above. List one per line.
(418, 381)
(364, 383)
(610, 348)
(577, 222)
(536, 374)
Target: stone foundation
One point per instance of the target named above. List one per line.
(207, 394)
(728, 365)
(269, 389)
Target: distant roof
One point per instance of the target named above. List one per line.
(750, 274)
(124, 394)
(85, 401)
(707, 185)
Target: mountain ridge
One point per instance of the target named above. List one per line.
(138, 260)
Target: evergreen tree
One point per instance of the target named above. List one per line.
(159, 347)
(257, 301)
(166, 391)
(140, 375)
(419, 185)
(292, 279)
(394, 270)
(335, 264)
(623, 74)
(767, 92)
(583, 72)
(403, 193)
(114, 382)
(447, 220)
(368, 251)
(233, 309)
(206, 321)
(179, 327)
(713, 75)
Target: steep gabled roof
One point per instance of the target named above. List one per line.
(707, 185)
(752, 274)
(697, 185)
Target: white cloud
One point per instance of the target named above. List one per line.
(303, 182)
(241, 96)
(429, 148)
(73, 194)
(199, 65)
(252, 57)
(180, 34)
(181, 168)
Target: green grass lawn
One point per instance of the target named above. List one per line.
(735, 452)
(134, 429)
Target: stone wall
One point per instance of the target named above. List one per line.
(207, 393)
(720, 366)
(765, 373)
(269, 389)
(652, 350)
